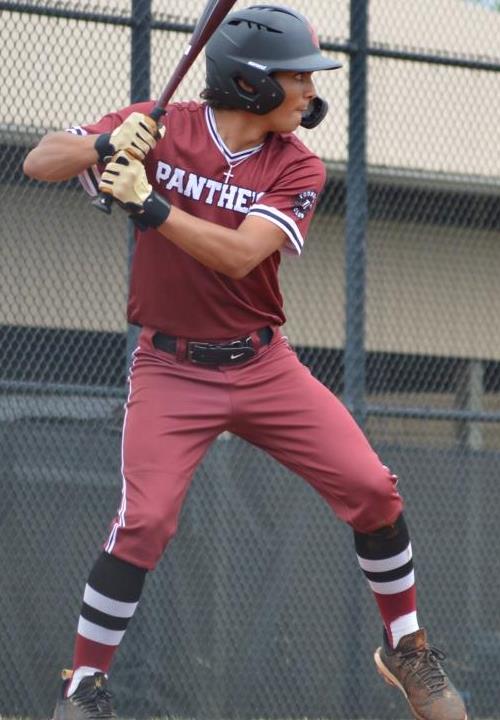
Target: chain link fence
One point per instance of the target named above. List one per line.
(258, 609)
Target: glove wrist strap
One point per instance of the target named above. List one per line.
(155, 211)
(104, 148)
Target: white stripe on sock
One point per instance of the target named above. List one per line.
(395, 586)
(108, 605)
(98, 634)
(404, 625)
(78, 675)
(390, 563)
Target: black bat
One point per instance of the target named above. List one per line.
(213, 13)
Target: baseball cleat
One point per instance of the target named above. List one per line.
(415, 668)
(90, 701)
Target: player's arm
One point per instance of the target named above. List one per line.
(64, 155)
(61, 156)
(231, 252)
(234, 252)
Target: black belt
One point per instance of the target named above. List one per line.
(229, 352)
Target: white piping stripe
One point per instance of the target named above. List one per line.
(121, 522)
(107, 605)
(396, 586)
(287, 220)
(283, 221)
(390, 563)
(86, 182)
(229, 156)
(293, 242)
(99, 634)
(241, 154)
(111, 541)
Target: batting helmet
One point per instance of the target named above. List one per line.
(252, 44)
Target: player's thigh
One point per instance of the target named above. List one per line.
(309, 430)
(171, 417)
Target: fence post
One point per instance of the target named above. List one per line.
(140, 89)
(354, 356)
(356, 215)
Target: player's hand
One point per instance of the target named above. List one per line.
(138, 134)
(125, 179)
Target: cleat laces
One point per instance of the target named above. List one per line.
(94, 699)
(425, 664)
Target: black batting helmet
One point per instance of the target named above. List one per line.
(253, 43)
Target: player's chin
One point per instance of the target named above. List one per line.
(291, 123)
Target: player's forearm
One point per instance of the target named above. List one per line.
(231, 252)
(219, 248)
(60, 156)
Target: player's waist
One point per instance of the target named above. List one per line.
(226, 352)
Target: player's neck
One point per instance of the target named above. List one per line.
(240, 130)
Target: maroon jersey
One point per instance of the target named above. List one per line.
(191, 166)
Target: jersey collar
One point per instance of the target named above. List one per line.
(230, 157)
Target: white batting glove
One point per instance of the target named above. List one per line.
(125, 180)
(138, 134)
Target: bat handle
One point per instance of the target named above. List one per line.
(103, 203)
(157, 113)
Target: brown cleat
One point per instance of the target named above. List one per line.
(90, 701)
(415, 668)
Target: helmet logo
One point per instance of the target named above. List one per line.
(257, 65)
(314, 35)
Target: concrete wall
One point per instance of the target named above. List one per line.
(430, 289)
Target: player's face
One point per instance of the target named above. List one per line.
(299, 91)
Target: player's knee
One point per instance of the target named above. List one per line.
(380, 503)
(150, 532)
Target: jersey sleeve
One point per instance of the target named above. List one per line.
(291, 201)
(91, 177)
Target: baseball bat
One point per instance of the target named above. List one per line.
(213, 14)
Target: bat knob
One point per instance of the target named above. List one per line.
(103, 203)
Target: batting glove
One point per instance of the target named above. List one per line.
(125, 179)
(138, 134)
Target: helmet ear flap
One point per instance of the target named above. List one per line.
(315, 113)
(267, 94)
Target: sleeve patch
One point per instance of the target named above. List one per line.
(304, 203)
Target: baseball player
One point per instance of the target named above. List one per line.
(217, 194)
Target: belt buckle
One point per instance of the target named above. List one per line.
(231, 353)
(194, 349)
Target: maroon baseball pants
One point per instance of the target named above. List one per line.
(175, 410)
